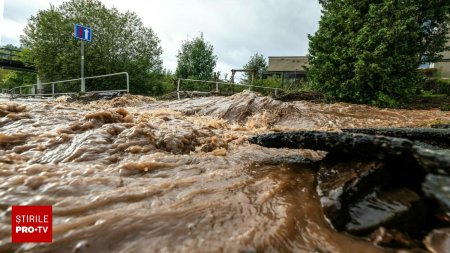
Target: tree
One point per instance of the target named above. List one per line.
(257, 62)
(163, 83)
(11, 78)
(196, 59)
(120, 42)
(369, 51)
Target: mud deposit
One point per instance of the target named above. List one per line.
(133, 174)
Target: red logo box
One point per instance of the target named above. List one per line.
(31, 224)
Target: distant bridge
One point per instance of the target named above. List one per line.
(9, 59)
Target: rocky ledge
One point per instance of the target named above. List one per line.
(389, 185)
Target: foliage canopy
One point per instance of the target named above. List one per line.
(196, 59)
(120, 42)
(368, 51)
(257, 62)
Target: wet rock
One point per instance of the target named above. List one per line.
(438, 187)
(433, 160)
(437, 137)
(291, 160)
(441, 126)
(398, 208)
(340, 183)
(361, 145)
(438, 241)
(402, 151)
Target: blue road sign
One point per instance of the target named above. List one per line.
(83, 32)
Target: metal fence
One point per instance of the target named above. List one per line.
(36, 89)
(216, 86)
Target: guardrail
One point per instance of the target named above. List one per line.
(179, 84)
(34, 87)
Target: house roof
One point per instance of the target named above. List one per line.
(287, 64)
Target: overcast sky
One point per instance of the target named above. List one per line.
(236, 28)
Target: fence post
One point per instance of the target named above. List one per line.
(128, 82)
(53, 89)
(39, 88)
(178, 88)
(20, 91)
(217, 87)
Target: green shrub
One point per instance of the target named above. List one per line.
(445, 107)
(436, 86)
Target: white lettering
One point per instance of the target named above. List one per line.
(30, 230)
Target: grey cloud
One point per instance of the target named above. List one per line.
(8, 40)
(273, 28)
(21, 10)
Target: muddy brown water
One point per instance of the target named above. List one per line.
(138, 175)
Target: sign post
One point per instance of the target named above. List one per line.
(83, 86)
(84, 34)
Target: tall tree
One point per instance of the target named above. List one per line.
(257, 62)
(368, 51)
(196, 59)
(120, 42)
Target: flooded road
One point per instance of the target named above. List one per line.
(134, 174)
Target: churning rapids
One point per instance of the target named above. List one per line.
(134, 174)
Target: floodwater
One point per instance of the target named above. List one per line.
(134, 174)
